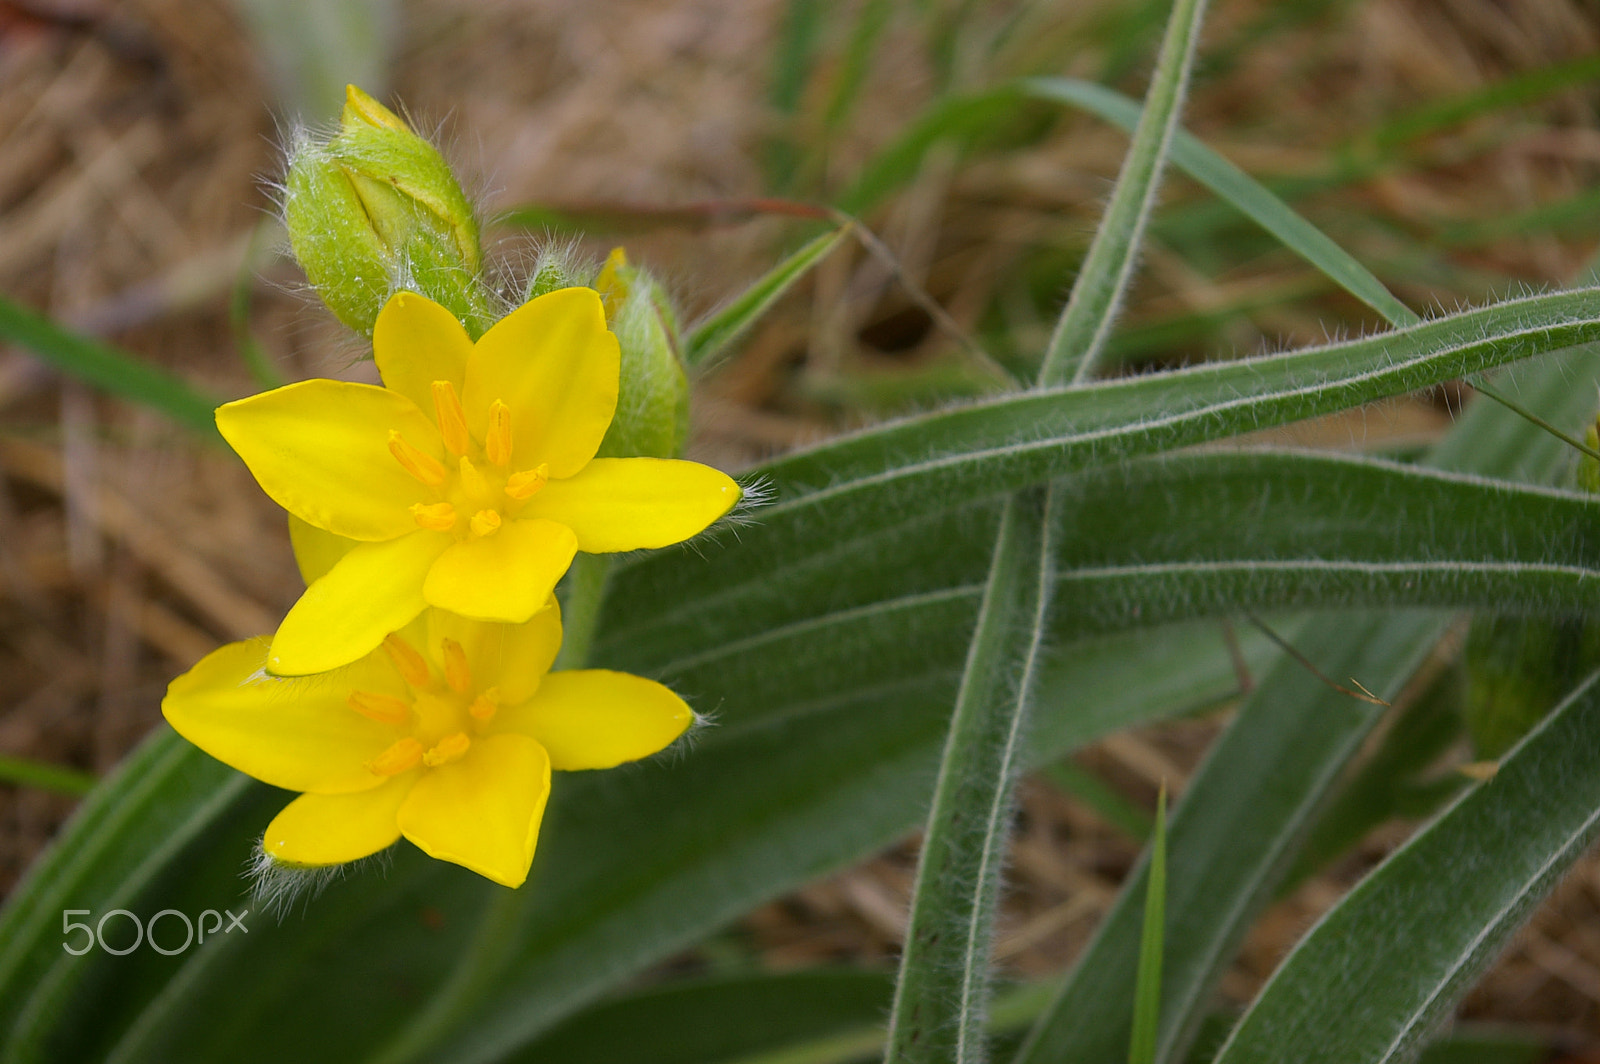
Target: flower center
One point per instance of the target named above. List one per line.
(481, 485)
(439, 716)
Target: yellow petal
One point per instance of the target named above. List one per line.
(293, 733)
(620, 504)
(553, 362)
(320, 448)
(316, 551)
(510, 657)
(326, 829)
(482, 811)
(416, 342)
(595, 718)
(372, 591)
(504, 577)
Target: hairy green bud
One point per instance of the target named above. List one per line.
(652, 417)
(375, 208)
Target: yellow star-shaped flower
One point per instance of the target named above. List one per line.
(469, 479)
(446, 735)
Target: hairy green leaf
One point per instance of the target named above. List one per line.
(1370, 980)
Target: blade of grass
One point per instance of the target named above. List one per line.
(25, 772)
(244, 338)
(1147, 987)
(1078, 343)
(710, 338)
(1243, 192)
(109, 369)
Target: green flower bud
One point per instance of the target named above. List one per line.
(558, 266)
(375, 208)
(652, 417)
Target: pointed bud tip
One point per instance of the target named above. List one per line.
(362, 109)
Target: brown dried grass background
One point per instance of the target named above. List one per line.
(133, 140)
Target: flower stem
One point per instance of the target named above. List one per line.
(583, 594)
(492, 947)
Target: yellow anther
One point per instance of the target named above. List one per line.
(419, 464)
(385, 709)
(472, 480)
(521, 485)
(410, 664)
(448, 749)
(485, 522)
(456, 671)
(497, 441)
(439, 516)
(452, 419)
(402, 755)
(483, 707)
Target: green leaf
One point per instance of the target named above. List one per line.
(1390, 783)
(1261, 784)
(918, 464)
(1079, 339)
(105, 367)
(1144, 543)
(25, 772)
(1147, 984)
(634, 864)
(1228, 836)
(707, 1021)
(712, 337)
(121, 840)
(1370, 980)
(941, 998)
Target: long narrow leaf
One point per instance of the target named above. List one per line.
(1382, 967)
(941, 998)
(965, 117)
(1147, 984)
(1263, 782)
(103, 366)
(713, 336)
(1080, 335)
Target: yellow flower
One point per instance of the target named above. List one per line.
(469, 478)
(446, 734)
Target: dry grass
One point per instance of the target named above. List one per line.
(132, 136)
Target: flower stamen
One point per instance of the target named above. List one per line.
(452, 419)
(448, 749)
(403, 755)
(485, 522)
(437, 516)
(524, 484)
(385, 709)
(497, 441)
(419, 464)
(485, 706)
(457, 673)
(473, 482)
(412, 667)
